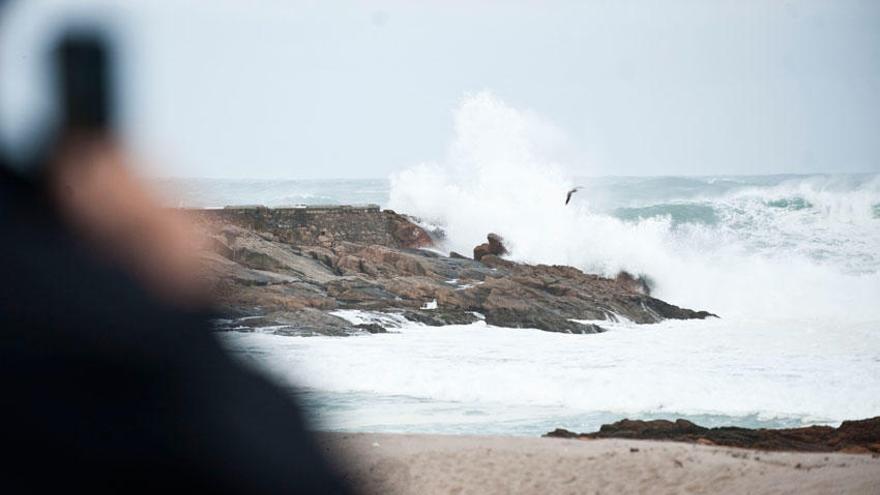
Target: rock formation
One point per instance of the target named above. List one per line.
(269, 271)
(495, 246)
(852, 436)
(640, 284)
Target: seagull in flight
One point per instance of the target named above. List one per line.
(568, 196)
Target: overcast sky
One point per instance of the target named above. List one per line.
(360, 89)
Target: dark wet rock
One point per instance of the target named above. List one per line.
(457, 256)
(495, 246)
(542, 320)
(480, 251)
(372, 327)
(250, 267)
(669, 311)
(300, 323)
(562, 433)
(438, 318)
(590, 328)
(861, 436)
(858, 435)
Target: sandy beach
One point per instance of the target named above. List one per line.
(424, 464)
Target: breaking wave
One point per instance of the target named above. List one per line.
(791, 246)
(790, 263)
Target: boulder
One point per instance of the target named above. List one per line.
(371, 327)
(539, 319)
(437, 318)
(495, 246)
(300, 323)
(480, 251)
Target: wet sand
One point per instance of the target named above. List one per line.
(427, 464)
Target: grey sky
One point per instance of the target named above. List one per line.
(359, 89)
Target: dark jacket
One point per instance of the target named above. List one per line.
(105, 388)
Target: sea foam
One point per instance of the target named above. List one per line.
(802, 247)
(790, 263)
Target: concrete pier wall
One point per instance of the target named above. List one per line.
(323, 225)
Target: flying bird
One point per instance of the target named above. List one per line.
(568, 196)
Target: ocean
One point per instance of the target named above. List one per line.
(790, 263)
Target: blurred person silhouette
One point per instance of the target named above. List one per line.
(111, 378)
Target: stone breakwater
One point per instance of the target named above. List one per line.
(285, 270)
(322, 225)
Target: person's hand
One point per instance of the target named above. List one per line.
(120, 218)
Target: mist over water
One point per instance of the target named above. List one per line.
(790, 263)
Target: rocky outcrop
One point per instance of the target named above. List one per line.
(301, 323)
(852, 436)
(260, 274)
(495, 246)
(640, 284)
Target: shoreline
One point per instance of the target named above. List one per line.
(292, 271)
(426, 463)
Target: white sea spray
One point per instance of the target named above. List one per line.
(801, 247)
(791, 263)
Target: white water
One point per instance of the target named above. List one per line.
(481, 379)
(749, 257)
(791, 263)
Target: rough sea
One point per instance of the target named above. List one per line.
(790, 263)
